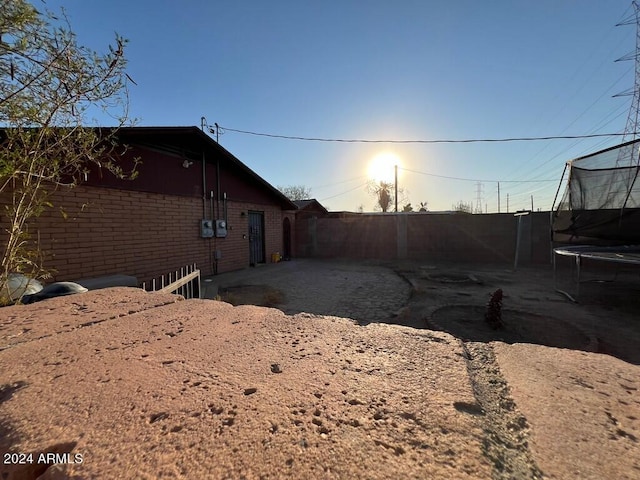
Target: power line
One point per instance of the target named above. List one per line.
(475, 179)
(469, 140)
(339, 194)
(338, 183)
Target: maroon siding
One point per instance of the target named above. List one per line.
(157, 172)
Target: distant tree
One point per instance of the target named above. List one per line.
(49, 88)
(463, 207)
(407, 208)
(383, 193)
(360, 208)
(423, 207)
(295, 192)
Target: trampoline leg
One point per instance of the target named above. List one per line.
(555, 280)
(578, 262)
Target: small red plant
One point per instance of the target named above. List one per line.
(493, 315)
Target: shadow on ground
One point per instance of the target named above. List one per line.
(453, 298)
(467, 322)
(260, 295)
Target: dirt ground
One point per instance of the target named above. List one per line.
(606, 319)
(454, 297)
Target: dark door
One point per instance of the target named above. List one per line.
(286, 238)
(256, 238)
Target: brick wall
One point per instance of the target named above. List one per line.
(110, 231)
(235, 247)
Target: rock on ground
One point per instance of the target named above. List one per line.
(139, 385)
(583, 408)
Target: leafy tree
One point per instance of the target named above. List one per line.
(295, 192)
(49, 88)
(423, 207)
(407, 208)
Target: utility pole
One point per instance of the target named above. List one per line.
(498, 197)
(396, 194)
(507, 203)
(532, 203)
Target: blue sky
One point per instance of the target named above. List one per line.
(379, 70)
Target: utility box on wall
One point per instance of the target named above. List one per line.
(206, 228)
(221, 228)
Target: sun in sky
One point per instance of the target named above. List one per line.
(381, 167)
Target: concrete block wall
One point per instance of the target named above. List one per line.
(541, 237)
(461, 237)
(489, 238)
(366, 236)
(304, 236)
(107, 231)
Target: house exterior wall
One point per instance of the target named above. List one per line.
(158, 172)
(293, 238)
(163, 172)
(111, 231)
(235, 247)
(150, 225)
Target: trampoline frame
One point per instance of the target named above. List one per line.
(627, 254)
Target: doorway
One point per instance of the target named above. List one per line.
(286, 238)
(256, 238)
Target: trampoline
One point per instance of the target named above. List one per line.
(624, 254)
(598, 217)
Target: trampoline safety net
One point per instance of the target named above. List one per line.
(601, 202)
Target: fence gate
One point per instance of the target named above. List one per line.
(185, 282)
(256, 237)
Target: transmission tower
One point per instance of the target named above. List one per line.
(629, 156)
(478, 197)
